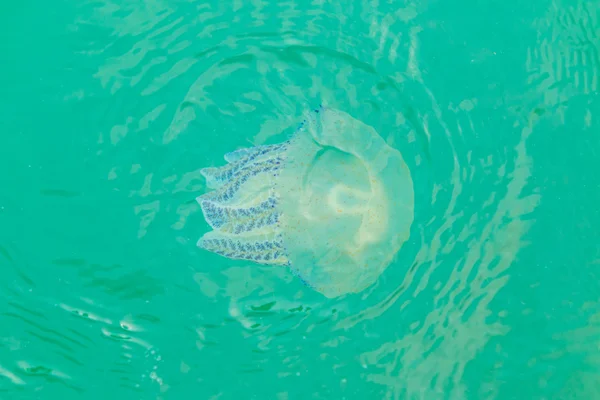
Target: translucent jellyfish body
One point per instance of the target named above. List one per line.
(334, 203)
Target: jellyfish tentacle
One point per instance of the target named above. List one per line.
(240, 219)
(249, 153)
(237, 155)
(263, 249)
(216, 177)
(254, 172)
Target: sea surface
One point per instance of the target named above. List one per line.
(110, 109)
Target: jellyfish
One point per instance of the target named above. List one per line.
(333, 203)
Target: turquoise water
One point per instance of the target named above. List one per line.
(110, 109)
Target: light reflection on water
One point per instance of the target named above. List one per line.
(176, 85)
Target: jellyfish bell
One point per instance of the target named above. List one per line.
(334, 203)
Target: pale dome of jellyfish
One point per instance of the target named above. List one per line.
(334, 203)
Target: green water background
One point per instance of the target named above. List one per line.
(108, 111)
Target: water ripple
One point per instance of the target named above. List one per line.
(104, 291)
(565, 63)
(275, 77)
